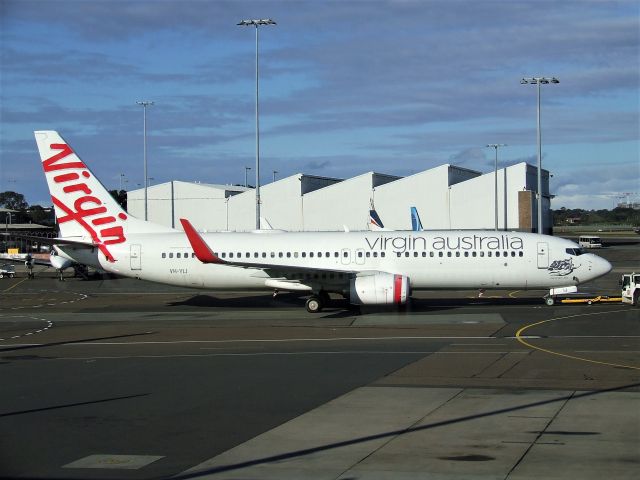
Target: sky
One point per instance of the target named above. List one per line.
(346, 87)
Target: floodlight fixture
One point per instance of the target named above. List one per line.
(539, 81)
(257, 23)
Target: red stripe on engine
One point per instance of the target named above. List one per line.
(397, 288)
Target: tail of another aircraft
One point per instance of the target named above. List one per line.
(416, 224)
(374, 221)
(85, 210)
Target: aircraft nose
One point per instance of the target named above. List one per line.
(600, 266)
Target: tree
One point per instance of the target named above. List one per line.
(13, 201)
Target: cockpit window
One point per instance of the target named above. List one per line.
(576, 252)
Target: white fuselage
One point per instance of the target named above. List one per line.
(431, 260)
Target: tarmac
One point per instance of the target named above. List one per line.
(121, 379)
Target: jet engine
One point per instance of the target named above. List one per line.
(379, 288)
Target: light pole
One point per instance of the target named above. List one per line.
(539, 81)
(495, 182)
(274, 175)
(121, 180)
(246, 170)
(257, 23)
(145, 104)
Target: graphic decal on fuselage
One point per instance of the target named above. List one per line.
(86, 207)
(405, 243)
(561, 268)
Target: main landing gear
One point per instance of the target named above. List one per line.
(315, 303)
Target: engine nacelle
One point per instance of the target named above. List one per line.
(379, 288)
(60, 263)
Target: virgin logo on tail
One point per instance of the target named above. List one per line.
(87, 208)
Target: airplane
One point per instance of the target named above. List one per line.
(368, 268)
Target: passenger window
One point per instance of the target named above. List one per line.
(406, 254)
(295, 254)
(466, 254)
(457, 254)
(513, 254)
(488, 254)
(247, 255)
(497, 254)
(521, 254)
(288, 254)
(440, 254)
(193, 255)
(319, 254)
(368, 254)
(432, 254)
(424, 254)
(345, 254)
(398, 254)
(264, 254)
(327, 254)
(448, 254)
(170, 254)
(415, 254)
(164, 255)
(382, 254)
(230, 254)
(474, 254)
(304, 254)
(336, 254)
(280, 254)
(255, 254)
(273, 254)
(178, 255)
(359, 254)
(310, 254)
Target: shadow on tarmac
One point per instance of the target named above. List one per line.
(10, 348)
(68, 405)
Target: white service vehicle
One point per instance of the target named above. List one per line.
(590, 241)
(631, 288)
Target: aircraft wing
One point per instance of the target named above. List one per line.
(206, 255)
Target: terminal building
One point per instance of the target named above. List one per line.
(447, 197)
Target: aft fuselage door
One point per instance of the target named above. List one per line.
(136, 256)
(543, 255)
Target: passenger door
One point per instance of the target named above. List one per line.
(136, 256)
(543, 255)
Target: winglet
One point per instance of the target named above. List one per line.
(200, 247)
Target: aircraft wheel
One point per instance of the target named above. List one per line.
(1, 275)
(11, 275)
(314, 304)
(549, 301)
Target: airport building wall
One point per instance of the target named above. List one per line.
(344, 204)
(447, 197)
(205, 205)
